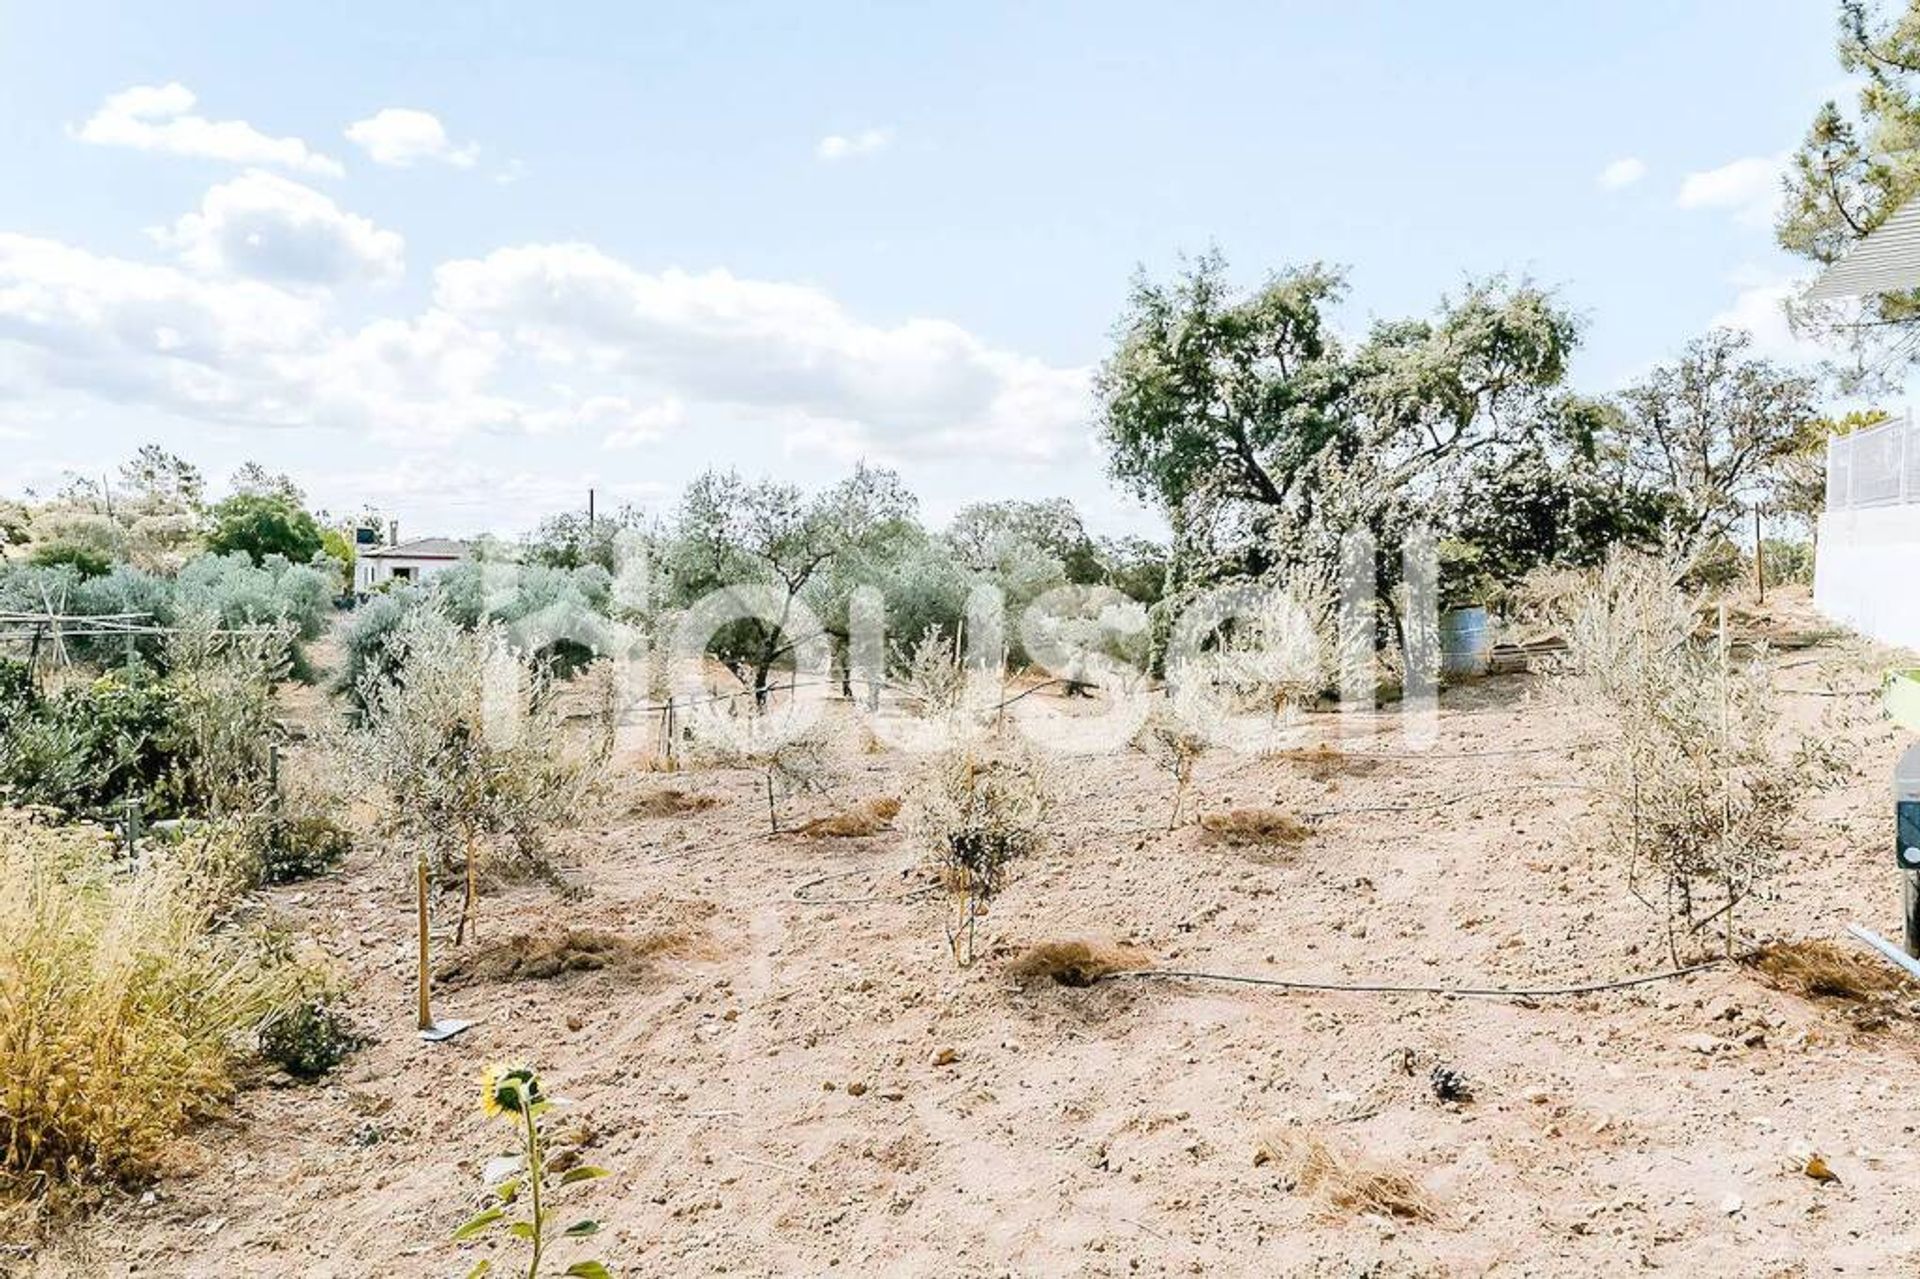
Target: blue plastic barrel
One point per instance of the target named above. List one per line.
(1466, 642)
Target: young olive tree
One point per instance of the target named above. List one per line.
(462, 743)
(977, 814)
(792, 761)
(1700, 782)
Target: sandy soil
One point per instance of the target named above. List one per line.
(1113, 1130)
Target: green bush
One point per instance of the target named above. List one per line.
(86, 746)
(301, 847)
(307, 1038)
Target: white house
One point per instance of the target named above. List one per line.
(413, 561)
(1868, 553)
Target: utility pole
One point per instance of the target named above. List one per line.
(589, 510)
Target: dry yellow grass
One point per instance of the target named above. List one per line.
(1075, 963)
(868, 817)
(122, 1008)
(1824, 969)
(670, 802)
(1242, 826)
(542, 956)
(1344, 1178)
(1326, 760)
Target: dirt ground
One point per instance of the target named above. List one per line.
(786, 1075)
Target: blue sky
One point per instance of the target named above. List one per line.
(462, 261)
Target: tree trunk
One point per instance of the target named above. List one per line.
(466, 904)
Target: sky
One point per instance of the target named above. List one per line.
(463, 262)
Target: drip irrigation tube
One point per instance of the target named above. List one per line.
(1389, 988)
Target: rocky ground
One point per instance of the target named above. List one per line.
(786, 1074)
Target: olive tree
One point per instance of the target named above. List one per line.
(462, 744)
(732, 533)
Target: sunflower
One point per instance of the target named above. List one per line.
(505, 1089)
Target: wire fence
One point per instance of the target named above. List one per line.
(1879, 466)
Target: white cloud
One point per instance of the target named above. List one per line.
(159, 118)
(837, 146)
(401, 137)
(1623, 172)
(628, 425)
(269, 228)
(923, 384)
(245, 332)
(1748, 187)
(1759, 308)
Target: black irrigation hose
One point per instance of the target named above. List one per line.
(1386, 988)
(1432, 805)
(800, 892)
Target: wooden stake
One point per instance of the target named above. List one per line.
(420, 883)
(1759, 557)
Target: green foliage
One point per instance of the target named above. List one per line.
(308, 1037)
(1708, 431)
(1852, 171)
(1053, 527)
(731, 532)
(86, 746)
(299, 846)
(1510, 515)
(85, 561)
(1245, 420)
(261, 524)
(336, 546)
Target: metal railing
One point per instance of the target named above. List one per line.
(1879, 466)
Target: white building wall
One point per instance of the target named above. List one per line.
(372, 572)
(1867, 571)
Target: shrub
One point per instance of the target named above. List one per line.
(221, 720)
(1171, 744)
(977, 815)
(85, 746)
(295, 847)
(308, 1037)
(122, 1007)
(792, 760)
(1697, 788)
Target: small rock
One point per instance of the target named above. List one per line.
(1732, 1204)
(856, 1089)
(574, 1021)
(945, 1057)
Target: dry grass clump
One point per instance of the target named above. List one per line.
(1251, 826)
(1345, 1179)
(1325, 760)
(868, 817)
(544, 956)
(1826, 970)
(1075, 963)
(671, 802)
(123, 1007)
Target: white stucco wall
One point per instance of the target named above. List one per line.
(1866, 571)
(371, 572)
